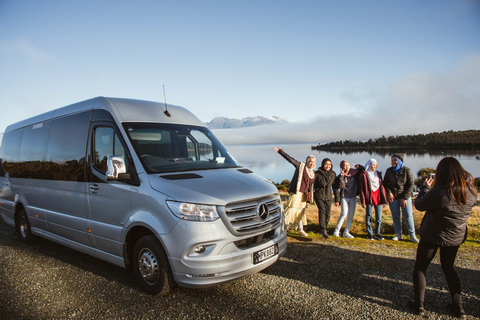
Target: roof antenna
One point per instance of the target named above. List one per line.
(165, 97)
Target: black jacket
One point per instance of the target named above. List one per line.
(400, 184)
(445, 221)
(322, 184)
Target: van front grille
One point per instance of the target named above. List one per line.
(255, 215)
(255, 240)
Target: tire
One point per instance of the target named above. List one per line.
(24, 230)
(150, 266)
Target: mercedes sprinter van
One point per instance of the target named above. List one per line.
(145, 188)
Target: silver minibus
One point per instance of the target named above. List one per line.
(143, 185)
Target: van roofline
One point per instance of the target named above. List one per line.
(121, 109)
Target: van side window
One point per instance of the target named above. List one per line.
(67, 146)
(106, 144)
(10, 153)
(33, 151)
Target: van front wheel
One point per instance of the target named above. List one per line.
(151, 267)
(24, 230)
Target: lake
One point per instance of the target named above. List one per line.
(262, 159)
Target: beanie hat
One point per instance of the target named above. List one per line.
(400, 157)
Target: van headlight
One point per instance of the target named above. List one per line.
(193, 212)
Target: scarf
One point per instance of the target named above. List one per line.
(399, 166)
(372, 175)
(310, 172)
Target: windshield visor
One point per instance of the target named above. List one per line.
(172, 147)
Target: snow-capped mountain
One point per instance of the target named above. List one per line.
(229, 123)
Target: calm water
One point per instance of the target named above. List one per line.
(262, 159)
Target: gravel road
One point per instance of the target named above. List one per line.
(333, 279)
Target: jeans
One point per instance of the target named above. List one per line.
(378, 219)
(425, 253)
(348, 210)
(407, 216)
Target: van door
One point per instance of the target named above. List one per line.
(65, 186)
(108, 201)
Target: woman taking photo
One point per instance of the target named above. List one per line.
(372, 195)
(300, 186)
(322, 186)
(447, 199)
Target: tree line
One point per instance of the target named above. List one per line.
(468, 139)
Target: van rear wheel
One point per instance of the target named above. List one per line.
(151, 267)
(24, 231)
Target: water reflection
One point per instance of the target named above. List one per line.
(262, 159)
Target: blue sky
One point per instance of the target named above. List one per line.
(333, 69)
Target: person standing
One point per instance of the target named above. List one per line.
(448, 200)
(346, 191)
(322, 186)
(372, 195)
(399, 185)
(300, 186)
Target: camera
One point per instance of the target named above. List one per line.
(432, 176)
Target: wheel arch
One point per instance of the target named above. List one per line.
(133, 235)
(18, 207)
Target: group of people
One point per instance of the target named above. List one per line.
(310, 186)
(447, 199)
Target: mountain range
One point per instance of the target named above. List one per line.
(230, 123)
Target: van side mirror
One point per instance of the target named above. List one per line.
(116, 169)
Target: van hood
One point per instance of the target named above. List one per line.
(213, 187)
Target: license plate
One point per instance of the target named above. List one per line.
(264, 254)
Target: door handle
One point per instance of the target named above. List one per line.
(94, 188)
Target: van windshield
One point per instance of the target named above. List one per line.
(172, 147)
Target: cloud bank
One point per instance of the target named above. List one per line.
(419, 102)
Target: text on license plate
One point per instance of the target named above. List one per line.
(264, 254)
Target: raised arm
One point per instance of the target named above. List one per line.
(287, 157)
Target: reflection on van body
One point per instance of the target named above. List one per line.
(123, 181)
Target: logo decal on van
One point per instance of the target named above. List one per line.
(262, 211)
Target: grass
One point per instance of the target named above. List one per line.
(388, 231)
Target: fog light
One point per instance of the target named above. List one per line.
(199, 249)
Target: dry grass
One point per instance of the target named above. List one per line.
(358, 224)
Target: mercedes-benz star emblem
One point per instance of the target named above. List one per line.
(263, 211)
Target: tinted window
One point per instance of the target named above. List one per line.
(67, 147)
(10, 152)
(33, 150)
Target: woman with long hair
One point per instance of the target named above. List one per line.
(300, 186)
(448, 199)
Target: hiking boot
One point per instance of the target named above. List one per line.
(325, 235)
